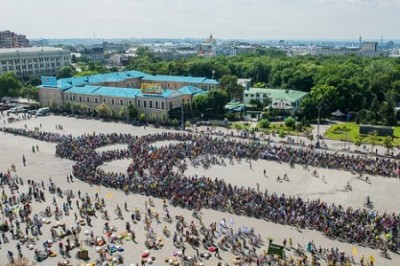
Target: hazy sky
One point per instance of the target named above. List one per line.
(245, 19)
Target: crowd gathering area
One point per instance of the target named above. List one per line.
(87, 192)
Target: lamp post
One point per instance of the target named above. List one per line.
(182, 122)
(319, 117)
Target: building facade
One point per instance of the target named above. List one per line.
(33, 61)
(280, 99)
(177, 82)
(117, 90)
(10, 39)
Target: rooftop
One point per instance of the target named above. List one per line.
(30, 50)
(191, 90)
(291, 95)
(104, 91)
(66, 83)
(99, 78)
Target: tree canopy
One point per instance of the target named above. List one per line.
(349, 83)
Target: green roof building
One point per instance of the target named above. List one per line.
(281, 99)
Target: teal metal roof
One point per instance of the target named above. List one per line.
(104, 91)
(99, 78)
(211, 82)
(190, 90)
(67, 83)
(89, 90)
(117, 92)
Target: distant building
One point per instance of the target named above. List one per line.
(369, 46)
(10, 39)
(33, 61)
(115, 47)
(208, 48)
(41, 42)
(286, 100)
(93, 54)
(172, 53)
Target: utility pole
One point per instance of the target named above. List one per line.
(319, 117)
(182, 123)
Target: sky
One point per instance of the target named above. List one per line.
(225, 19)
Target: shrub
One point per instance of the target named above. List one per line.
(290, 122)
(264, 123)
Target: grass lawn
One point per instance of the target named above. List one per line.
(349, 132)
(239, 125)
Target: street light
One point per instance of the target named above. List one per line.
(319, 117)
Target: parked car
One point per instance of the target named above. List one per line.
(32, 112)
(43, 111)
(15, 110)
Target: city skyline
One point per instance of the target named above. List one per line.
(234, 19)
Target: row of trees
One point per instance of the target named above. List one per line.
(11, 86)
(349, 83)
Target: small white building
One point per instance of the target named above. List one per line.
(281, 99)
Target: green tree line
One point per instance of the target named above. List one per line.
(11, 86)
(369, 86)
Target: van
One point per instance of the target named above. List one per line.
(43, 111)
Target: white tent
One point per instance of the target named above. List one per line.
(338, 113)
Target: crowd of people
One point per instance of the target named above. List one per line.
(159, 172)
(26, 226)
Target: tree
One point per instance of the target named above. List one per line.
(65, 72)
(9, 85)
(188, 124)
(123, 112)
(238, 127)
(29, 92)
(213, 102)
(256, 103)
(230, 84)
(358, 142)
(373, 139)
(290, 122)
(217, 101)
(175, 122)
(321, 96)
(142, 117)
(132, 111)
(260, 85)
(264, 123)
(388, 143)
(103, 110)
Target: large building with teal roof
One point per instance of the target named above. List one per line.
(152, 95)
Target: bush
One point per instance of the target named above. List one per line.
(175, 122)
(290, 122)
(264, 123)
